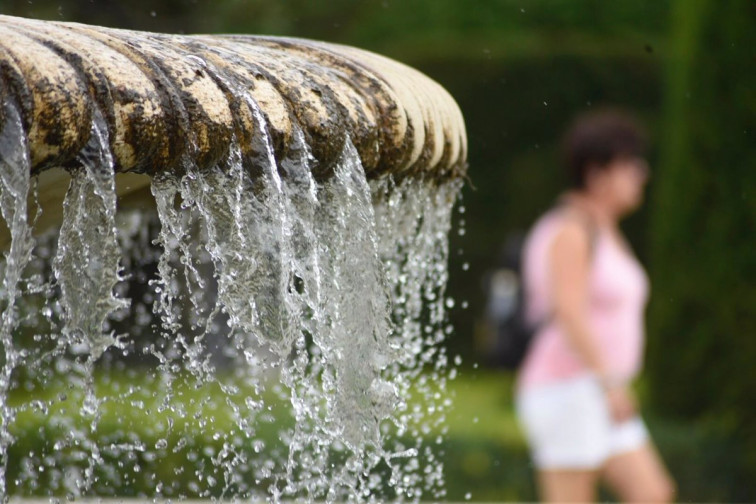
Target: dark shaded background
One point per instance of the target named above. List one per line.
(519, 70)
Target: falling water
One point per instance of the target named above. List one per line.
(87, 273)
(14, 187)
(258, 333)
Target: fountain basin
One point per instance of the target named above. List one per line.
(289, 200)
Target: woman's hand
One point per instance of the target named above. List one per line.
(621, 402)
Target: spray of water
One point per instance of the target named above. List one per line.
(284, 335)
(14, 187)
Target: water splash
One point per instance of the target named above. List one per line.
(87, 274)
(86, 267)
(413, 220)
(284, 333)
(14, 187)
(339, 395)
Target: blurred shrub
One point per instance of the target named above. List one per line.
(703, 318)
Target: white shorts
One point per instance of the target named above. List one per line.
(568, 425)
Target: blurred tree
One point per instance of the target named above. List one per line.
(704, 216)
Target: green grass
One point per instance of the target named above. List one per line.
(483, 450)
(483, 407)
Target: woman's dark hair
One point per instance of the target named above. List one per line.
(596, 138)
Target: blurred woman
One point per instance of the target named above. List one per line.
(586, 295)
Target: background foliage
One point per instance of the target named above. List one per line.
(519, 70)
(701, 239)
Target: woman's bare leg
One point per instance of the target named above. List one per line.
(639, 476)
(567, 485)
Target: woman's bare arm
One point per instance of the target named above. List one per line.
(570, 260)
(570, 265)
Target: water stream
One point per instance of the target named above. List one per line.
(257, 333)
(14, 187)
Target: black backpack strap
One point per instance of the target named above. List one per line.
(592, 229)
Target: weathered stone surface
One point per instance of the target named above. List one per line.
(169, 97)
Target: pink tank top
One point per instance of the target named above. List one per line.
(617, 291)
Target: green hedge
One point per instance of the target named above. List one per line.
(702, 319)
